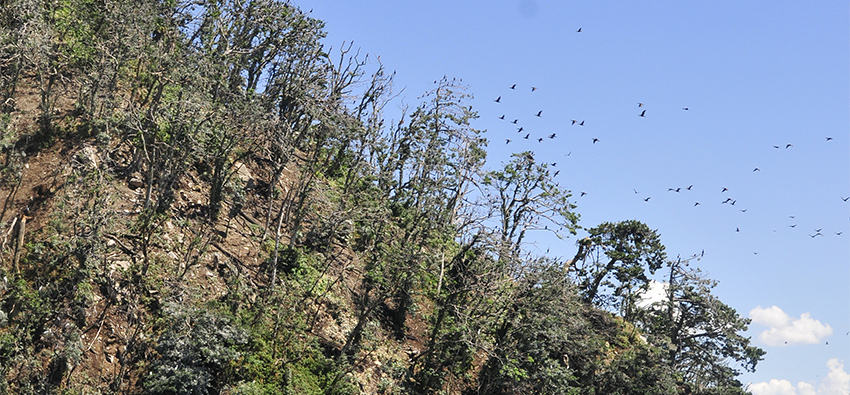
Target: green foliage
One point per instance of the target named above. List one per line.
(401, 221)
(197, 351)
(633, 252)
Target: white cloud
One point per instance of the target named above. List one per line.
(837, 382)
(656, 293)
(773, 387)
(785, 330)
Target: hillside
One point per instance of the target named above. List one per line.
(199, 199)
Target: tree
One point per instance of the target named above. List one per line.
(523, 196)
(619, 256)
(701, 334)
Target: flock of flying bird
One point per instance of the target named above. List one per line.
(526, 135)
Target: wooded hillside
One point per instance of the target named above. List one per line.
(200, 198)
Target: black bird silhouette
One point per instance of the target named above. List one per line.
(818, 230)
(553, 164)
(816, 235)
(583, 193)
(793, 226)
(539, 112)
(581, 123)
(696, 204)
(838, 233)
(726, 201)
(775, 146)
(636, 191)
(533, 88)
(737, 229)
(756, 169)
(540, 140)
(640, 104)
(647, 198)
(498, 99)
(744, 210)
(579, 30)
(513, 86)
(502, 117)
(674, 190)
(845, 198)
(574, 121)
(551, 136)
(520, 129)
(526, 136)
(724, 189)
(515, 121)
(788, 146)
(643, 113)
(595, 140)
(685, 108)
(507, 141)
(556, 173)
(689, 187)
(828, 138)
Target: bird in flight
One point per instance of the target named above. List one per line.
(674, 190)
(724, 190)
(583, 193)
(643, 113)
(515, 121)
(581, 123)
(647, 198)
(845, 198)
(526, 136)
(513, 86)
(685, 108)
(595, 140)
(533, 88)
(498, 99)
(636, 191)
(696, 204)
(828, 138)
(551, 136)
(756, 169)
(788, 146)
(816, 235)
(507, 141)
(502, 117)
(640, 104)
(574, 121)
(744, 210)
(776, 146)
(689, 187)
(520, 129)
(540, 140)
(579, 30)
(539, 112)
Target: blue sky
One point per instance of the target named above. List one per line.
(753, 75)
